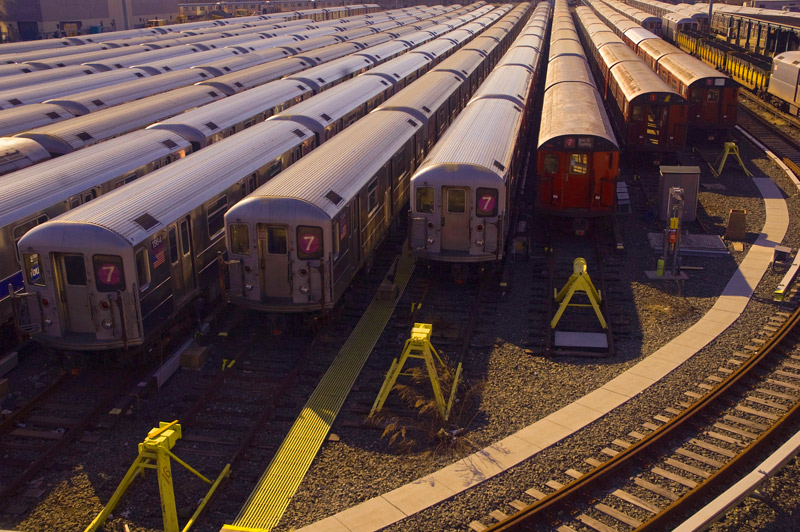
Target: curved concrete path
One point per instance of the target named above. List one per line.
(466, 473)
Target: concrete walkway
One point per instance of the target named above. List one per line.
(466, 473)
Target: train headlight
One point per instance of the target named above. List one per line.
(48, 322)
(430, 240)
(479, 243)
(248, 287)
(303, 289)
(106, 323)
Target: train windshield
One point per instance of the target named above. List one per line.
(33, 269)
(425, 200)
(240, 239)
(309, 243)
(486, 202)
(108, 273)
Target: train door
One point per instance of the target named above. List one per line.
(273, 261)
(355, 242)
(74, 292)
(455, 219)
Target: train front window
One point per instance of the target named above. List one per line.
(142, 269)
(638, 113)
(75, 270)
(713, 95)
(276, 241)
(456, 201)
(486, 202)
(425, 200)
(309, 243)
(240, 239)
(33, 269)
(550, 163)
(108, 273)
(578, 163)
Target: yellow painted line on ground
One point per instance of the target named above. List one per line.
(268, 501)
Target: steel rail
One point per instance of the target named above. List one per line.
(588, 483)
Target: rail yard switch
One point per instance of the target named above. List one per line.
(419, 346)
(155, 453)
(579, 281)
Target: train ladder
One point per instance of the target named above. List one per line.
(730, 149)
(579, 281)
(419, 346)
(154, 453)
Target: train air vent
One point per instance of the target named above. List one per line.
(212, 93)
(795, 62)
(88, 71)
(326, 117)
(299, 133)
(397, 75)
(212, 126)
(60, 64)
(413, 124)
(321, 80)
(26, 70)
(518, 109)
(168, 143)
(98, 103)
(384, 82)
(204, 75)
(84, 136)
(166, 68)
(138, 74)
(145, 221)
(53, 115)
(426, 109)
(500, 166)
(226, 69)
(334, 197)
(14, 101)
(238, 84)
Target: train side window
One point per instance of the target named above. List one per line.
(33, 269)
(335, 240)
(486, 202)
(578, 163)
(309, 242)
(274, 170)
(89, 196)
(125, 180)
(424, 203)
(142, 269)
(240, 238)
(75, 270)
(108, 274)
(713, 95)
(456, 201)
(173, 246)
(216, 215)
(74, 201)
(372, 196)
(638, 112)
(185, 247)
(550, 163)
(276, 240)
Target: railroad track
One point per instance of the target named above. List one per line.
(552, 266)
(769, 134)
(651, 478)
(35, 435)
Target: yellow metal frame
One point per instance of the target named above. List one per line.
(154, 453)
(579, 281)
(419, 346)
(730, 149)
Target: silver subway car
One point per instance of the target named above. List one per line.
(112, 273)
(462, 194)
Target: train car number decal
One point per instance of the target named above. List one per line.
(108, 274)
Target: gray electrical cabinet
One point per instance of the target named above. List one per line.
(685, 177)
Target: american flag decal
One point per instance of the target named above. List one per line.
(158, 256)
